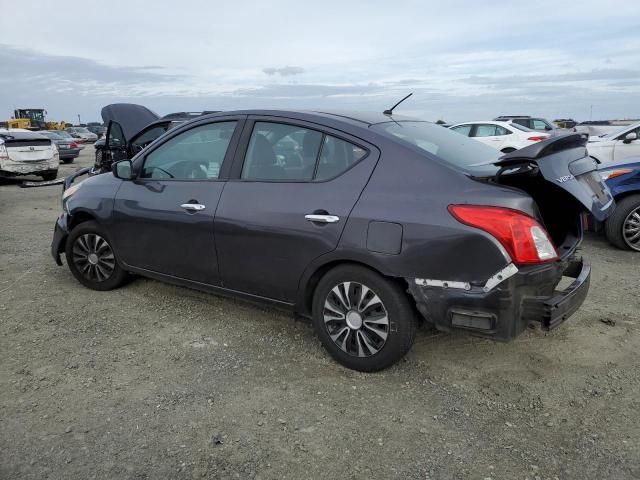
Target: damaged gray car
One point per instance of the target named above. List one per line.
(363, 222)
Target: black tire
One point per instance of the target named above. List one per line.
(93, 277)
(400, 330)
(614, 225)
(48, 176)
(508, 150)
(67, 160)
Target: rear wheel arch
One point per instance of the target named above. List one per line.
(305, 303)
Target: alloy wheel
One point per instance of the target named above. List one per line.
(93, 257)
(356, 319)
(631, 229)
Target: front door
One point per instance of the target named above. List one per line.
(163, 220)
(288, 204)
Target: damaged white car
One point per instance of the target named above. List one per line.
(23, 152)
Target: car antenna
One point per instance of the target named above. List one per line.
(390, 111)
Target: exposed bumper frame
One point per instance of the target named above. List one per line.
(502, 307)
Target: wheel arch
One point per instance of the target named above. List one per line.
(311, 279)
(80, 217)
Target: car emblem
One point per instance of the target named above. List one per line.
(566, 178)
(32, 148)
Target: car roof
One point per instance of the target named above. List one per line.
(487, 122)
(336, 118)
(20, 134)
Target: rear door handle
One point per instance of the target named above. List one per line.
(192, 207)
(322, 218)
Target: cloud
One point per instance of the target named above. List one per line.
(37, 71)
(283, 71)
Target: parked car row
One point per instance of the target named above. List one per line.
(354, 220)
(68, 149)
(500, 135)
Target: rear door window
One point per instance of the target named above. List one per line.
(463, 129)
(282, 152)
(485, 130)
(336, 157)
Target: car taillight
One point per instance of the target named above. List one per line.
(537, 139)
(522, 236)
(74, 145)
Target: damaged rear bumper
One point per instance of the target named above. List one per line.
(503, 306)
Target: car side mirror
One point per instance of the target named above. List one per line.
(123, 170)
(630, 137)
(547, 127)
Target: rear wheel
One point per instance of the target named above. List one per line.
(91, 258)
(623, 226)
(67, 160)
(365, 321)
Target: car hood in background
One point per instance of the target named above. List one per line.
(131, 117)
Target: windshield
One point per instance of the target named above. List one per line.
(621, 130)
(456, 150)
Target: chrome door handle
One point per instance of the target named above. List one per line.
(192, 207)
(322, 218)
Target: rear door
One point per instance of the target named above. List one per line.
(564, 161)
(292, 189)
(486, 133)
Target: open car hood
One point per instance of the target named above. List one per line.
(565, 162)
(131, 117)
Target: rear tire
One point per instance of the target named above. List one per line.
(67, 160)
(365, 321)
(48, 176)
(91, 258)
(624, 223)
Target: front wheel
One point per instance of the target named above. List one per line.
(91, 258)
(623, 226)
(366, 322)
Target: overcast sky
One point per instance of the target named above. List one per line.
(463, 60)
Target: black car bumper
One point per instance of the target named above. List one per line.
(60, 234)
(505, 311)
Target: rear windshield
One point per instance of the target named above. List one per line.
(456, 150)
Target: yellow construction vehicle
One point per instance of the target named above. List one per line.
(33, 119)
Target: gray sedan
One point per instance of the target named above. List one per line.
(364, 223)
(67, 147)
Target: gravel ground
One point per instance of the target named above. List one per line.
(157, 381)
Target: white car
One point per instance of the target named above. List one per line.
(502, 136)
(616, 146)
(82, 134)
(23, 152)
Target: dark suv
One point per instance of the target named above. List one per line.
(357, 221)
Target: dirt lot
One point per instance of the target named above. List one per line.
(157, 381)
